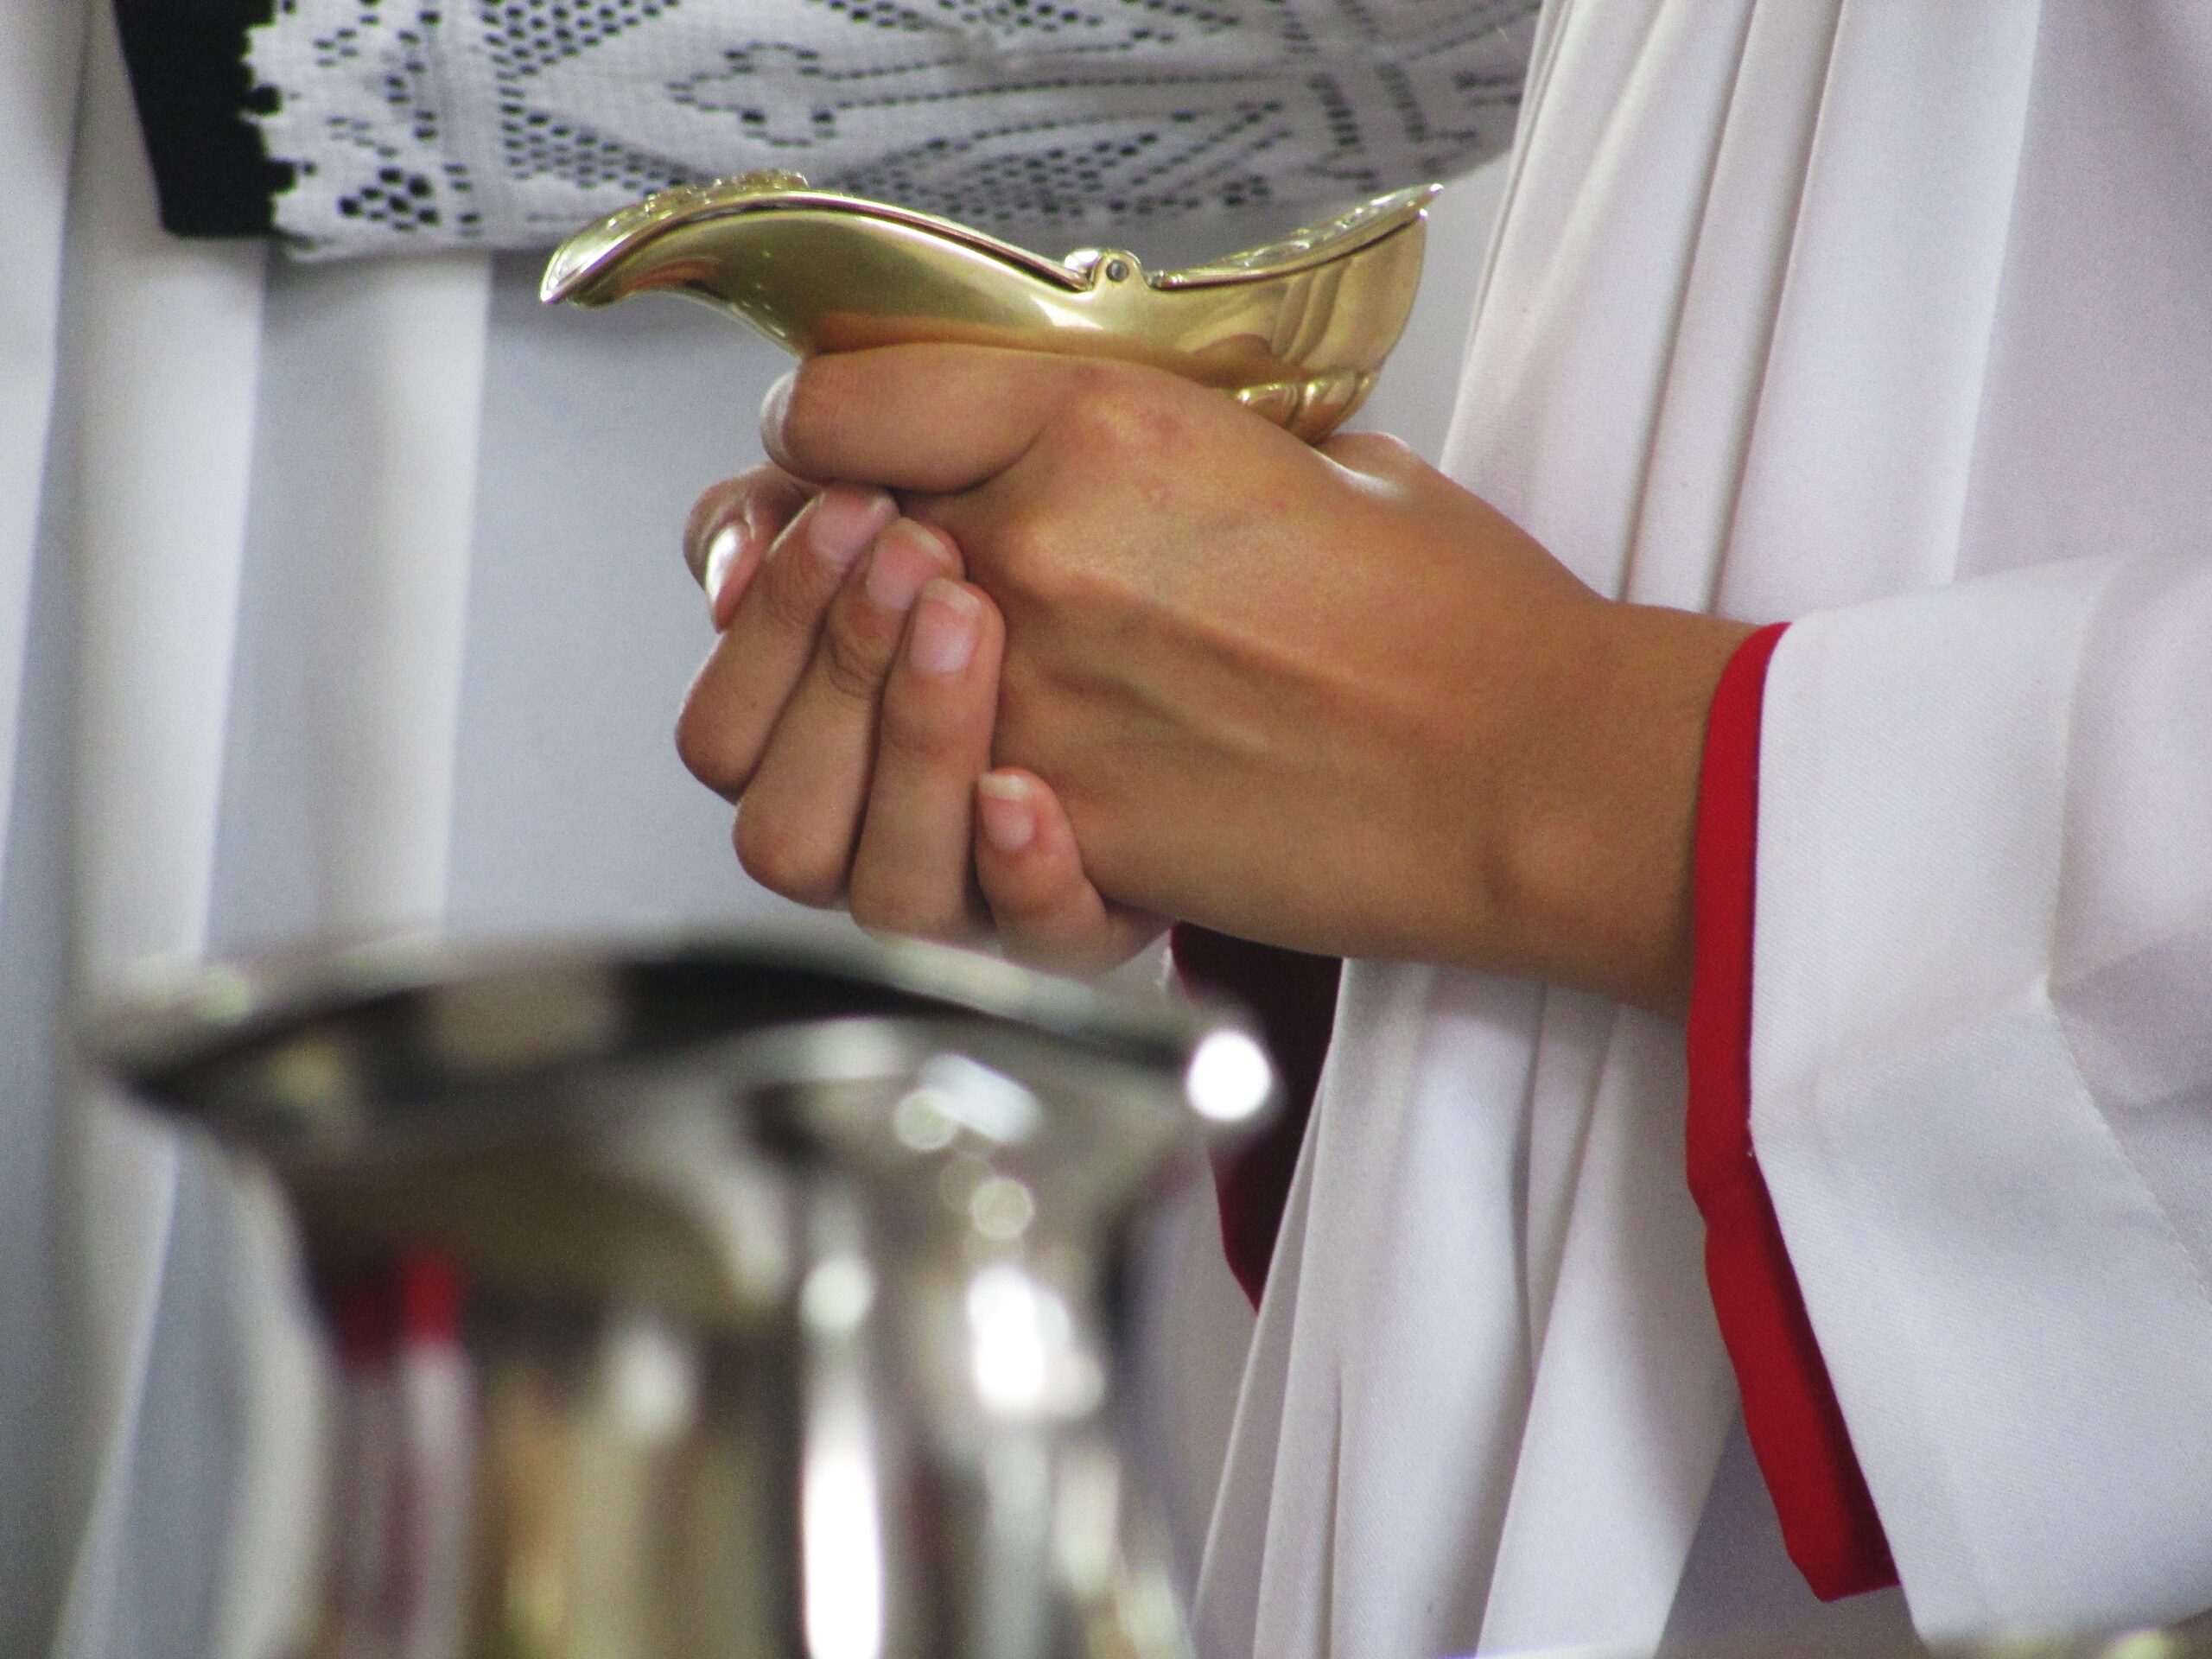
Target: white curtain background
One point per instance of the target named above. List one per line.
(334, 601)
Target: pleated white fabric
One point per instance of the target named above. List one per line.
(332, 603)
(1952, 1078)
(135, 408)
(248, 763)
(38, 117)
(41, 53)
(1984, 951)
(154, 504)
(162, 389)
(1757, 335)
(377, 513)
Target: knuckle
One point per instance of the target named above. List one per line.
(874, 909)
(912, 730)
(1110, 409)
(1055, 954)
(1028, 904)
(712, 752)
(1027, 543)
(792, 596)
(784, 859)
(886, 906)
(1138, 419)
(1053, 577)
(853, 661)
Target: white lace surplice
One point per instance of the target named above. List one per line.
(428, 122)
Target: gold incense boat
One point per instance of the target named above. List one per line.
(1296, 330)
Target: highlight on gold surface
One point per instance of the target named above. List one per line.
(1296, 330)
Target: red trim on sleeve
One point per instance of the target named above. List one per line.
(1796, 1428)
(1294, 996)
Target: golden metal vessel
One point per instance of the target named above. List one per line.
(1296, 330)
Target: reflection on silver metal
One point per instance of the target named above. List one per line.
(783, 1330)
(1230, 1080)
(1297, 330)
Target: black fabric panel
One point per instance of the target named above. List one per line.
(188, 73)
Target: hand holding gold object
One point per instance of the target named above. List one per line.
(1296, 330)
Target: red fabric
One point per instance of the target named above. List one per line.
(1295, 997)
(1796, 1428)
(429, 1299)
(414, 1300)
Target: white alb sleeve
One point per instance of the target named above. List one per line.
(1982, 1074)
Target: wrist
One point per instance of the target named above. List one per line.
(1597, 864)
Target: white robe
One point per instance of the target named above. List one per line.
(1792, 309)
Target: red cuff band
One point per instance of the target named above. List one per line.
(1796, 1427)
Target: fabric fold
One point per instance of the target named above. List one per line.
(2015, 1325)
(157, 432)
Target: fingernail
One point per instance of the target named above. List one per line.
(722, 551)
(773, 407)
(1002, 802)
(844, 521)
(904, 558)
(944, 629)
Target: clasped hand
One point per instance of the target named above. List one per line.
(1171, 662)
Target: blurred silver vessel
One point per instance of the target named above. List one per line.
(712, 1297)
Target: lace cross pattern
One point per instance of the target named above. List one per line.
(506, 124)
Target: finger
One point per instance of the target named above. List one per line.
(1044, 906)
(732, 524)
(913, 872)
(930, 418)
(749, 676)
(801, 812)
